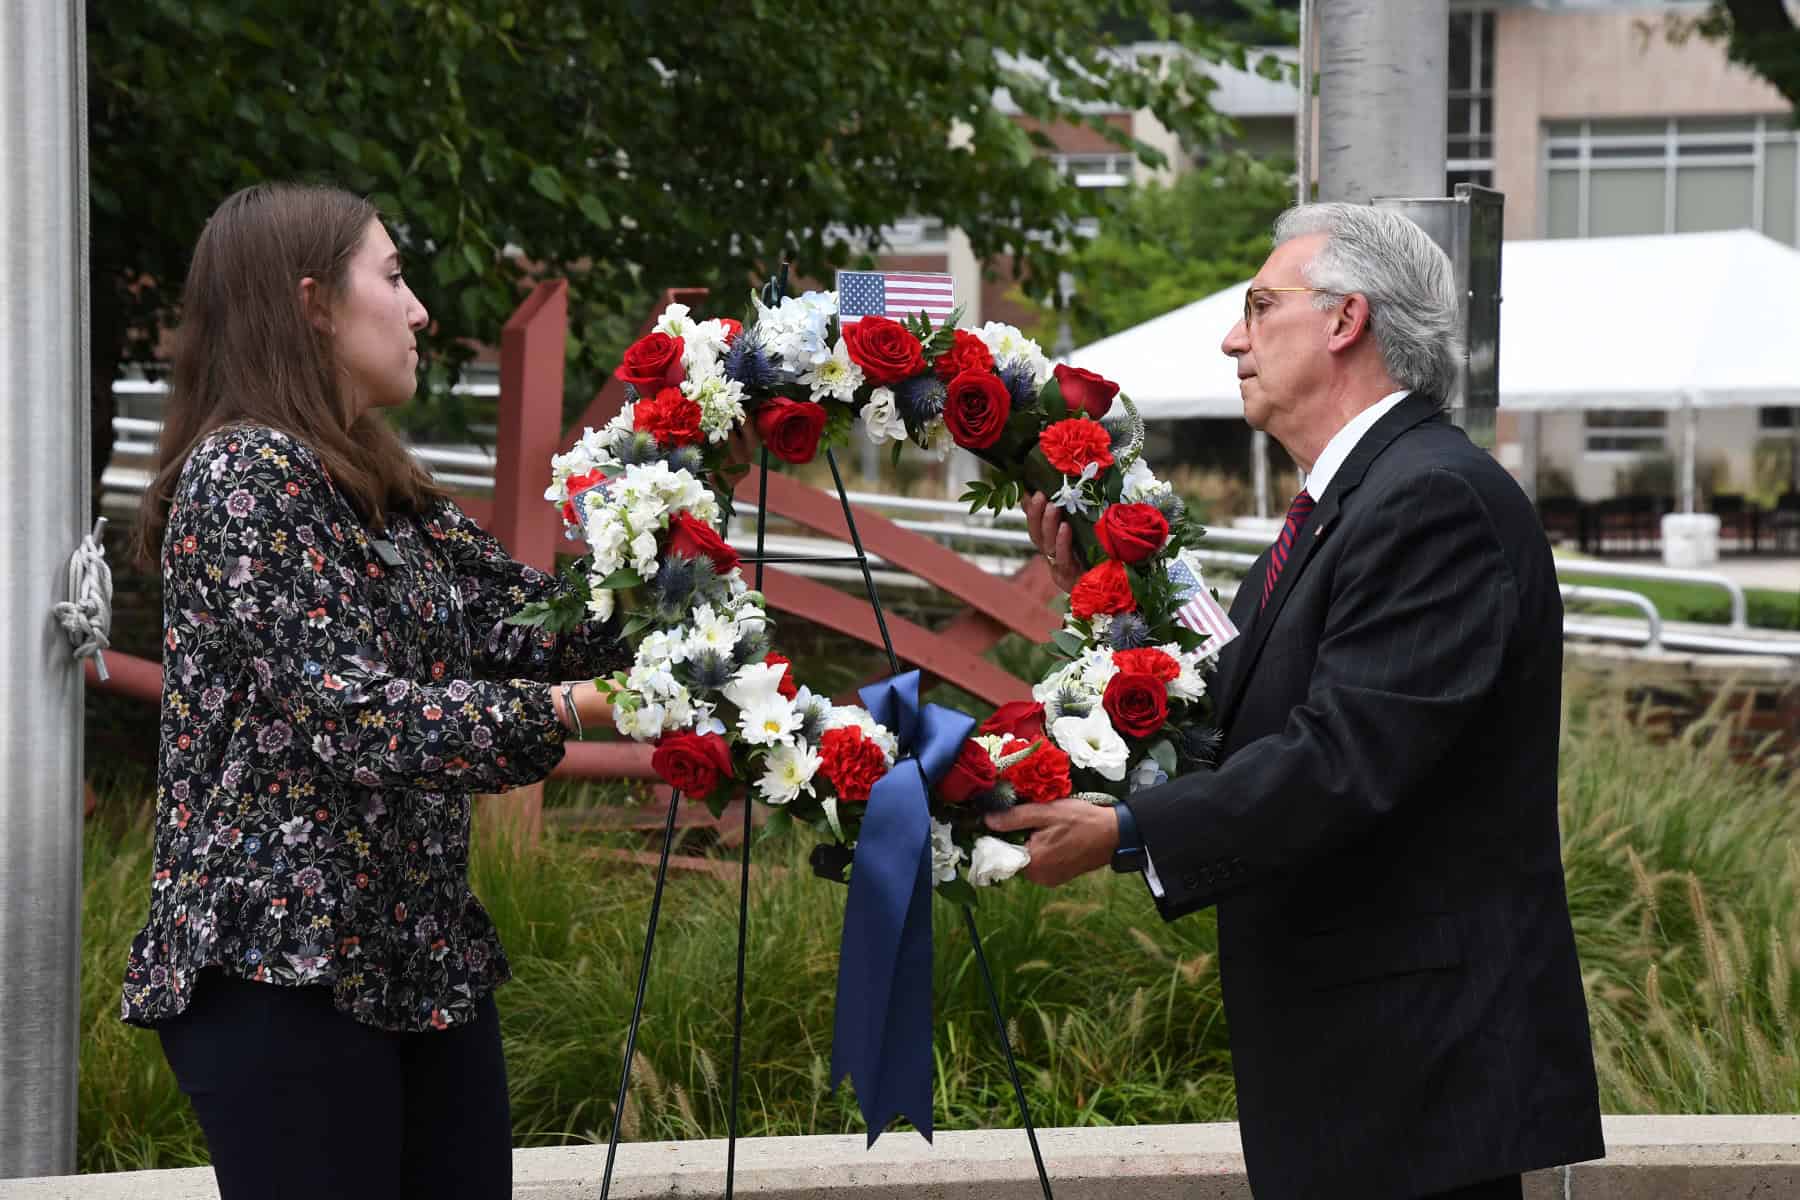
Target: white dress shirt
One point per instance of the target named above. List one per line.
(1344, 441)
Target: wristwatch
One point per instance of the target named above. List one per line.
(1130, 855)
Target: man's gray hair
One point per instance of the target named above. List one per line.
(1408, 279)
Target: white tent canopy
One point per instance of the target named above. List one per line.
(1710, 320)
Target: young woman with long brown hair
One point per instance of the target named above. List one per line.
(338, 680)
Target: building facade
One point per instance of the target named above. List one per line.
(1595, 118)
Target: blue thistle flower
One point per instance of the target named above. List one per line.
(686, 458)
(1021, 385)
(919, 400)
(1170, 505)
(1128, 631)
(673, 586)
(747, 362)
(812, 720)
(752, 647)
(1068, 702)
(631, 393)
(709, 671)
(638, 450)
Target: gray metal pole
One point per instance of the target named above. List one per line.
(1383, 79)
(43, 514)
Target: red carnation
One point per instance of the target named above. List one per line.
(1042, 775)
(652, 363)
(671, 418)
(786, 686)
(1083, 389)
(885, 351)
(733, 327)
(966, 353)
(691, 763)
(1158, 663)
(1019, 718)
(692, 538)
(1103, 589)
(1131, 532)
(851, 762)
(790, 428)
(1136, 704)
(1072, 444)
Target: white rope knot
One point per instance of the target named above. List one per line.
(86, 615)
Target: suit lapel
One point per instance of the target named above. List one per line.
(1409, 412)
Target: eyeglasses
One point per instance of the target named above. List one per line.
(1250, 295)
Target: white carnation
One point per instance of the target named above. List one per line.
(1092, 743)
(881, 418)
(1010, 347)
(994, 861)
(755, 683)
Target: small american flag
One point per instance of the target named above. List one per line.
(896, 295)
(1199, 611)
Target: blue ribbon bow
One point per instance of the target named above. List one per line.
(881, 1034)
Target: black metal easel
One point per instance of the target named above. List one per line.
(773, 292)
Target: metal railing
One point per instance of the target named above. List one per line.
(472, 466)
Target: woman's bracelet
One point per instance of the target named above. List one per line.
(568, 695)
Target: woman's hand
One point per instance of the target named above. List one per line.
(1053, 539)
(592, 708)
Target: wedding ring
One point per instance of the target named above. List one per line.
(1051, 559)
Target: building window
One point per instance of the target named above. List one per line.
(1470, 125)
(1777, 418)
(1095, 170)
(1626, 431)
(1679, 175)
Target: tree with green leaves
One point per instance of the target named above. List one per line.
(1759, 34)
(1166, 245)
(608, 143)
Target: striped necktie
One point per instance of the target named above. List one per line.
(1298, 511)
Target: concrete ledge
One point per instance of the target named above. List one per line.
(1648, 1158)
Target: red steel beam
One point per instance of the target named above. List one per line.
(532, 346)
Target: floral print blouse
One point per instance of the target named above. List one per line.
(330, 703)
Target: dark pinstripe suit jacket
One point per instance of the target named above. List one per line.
(1404, 1001)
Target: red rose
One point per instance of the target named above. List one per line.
(967, 353)
(691, 763)
(652, 363)
(972, 772)
(885, 351)
(851, 762)
(790, 428)
(975, 408)
(1072, 444)
(1092, 394)
(693, 538)
(576, 485)
(1103, 589)
(1137, 704)
(1131, 532)
(733, 327)
(1019, 718)
(1042, 775)
(1157, 663)
(787, 687)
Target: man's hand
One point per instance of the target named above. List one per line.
(1069, 838)
(1053, 539)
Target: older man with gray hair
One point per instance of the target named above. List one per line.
(1380, 836)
